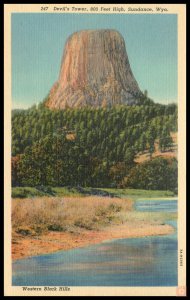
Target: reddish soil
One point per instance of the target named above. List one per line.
(25, 246)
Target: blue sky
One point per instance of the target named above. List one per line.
(38, 40)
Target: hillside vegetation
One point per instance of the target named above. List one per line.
(94, 147)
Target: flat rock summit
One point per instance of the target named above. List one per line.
(95, 71)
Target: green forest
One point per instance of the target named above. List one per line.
(91, 147)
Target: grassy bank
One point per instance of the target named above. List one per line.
(137, 193)
(30, 192)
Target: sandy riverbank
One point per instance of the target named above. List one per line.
(25, 246)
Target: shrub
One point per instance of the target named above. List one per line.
(24, 231)
(55, 227)
(115, 207)
(45, 190)
(157, 174)
(83, 224)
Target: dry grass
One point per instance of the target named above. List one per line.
(35, 216)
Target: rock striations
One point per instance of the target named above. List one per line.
(95, 71)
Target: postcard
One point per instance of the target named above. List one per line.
(95, 105)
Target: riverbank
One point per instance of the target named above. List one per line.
(54, 241)
(31, 192)
(45, 225)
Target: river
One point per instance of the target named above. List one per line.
(147, 261)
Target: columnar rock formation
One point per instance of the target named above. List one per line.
(95, 71)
